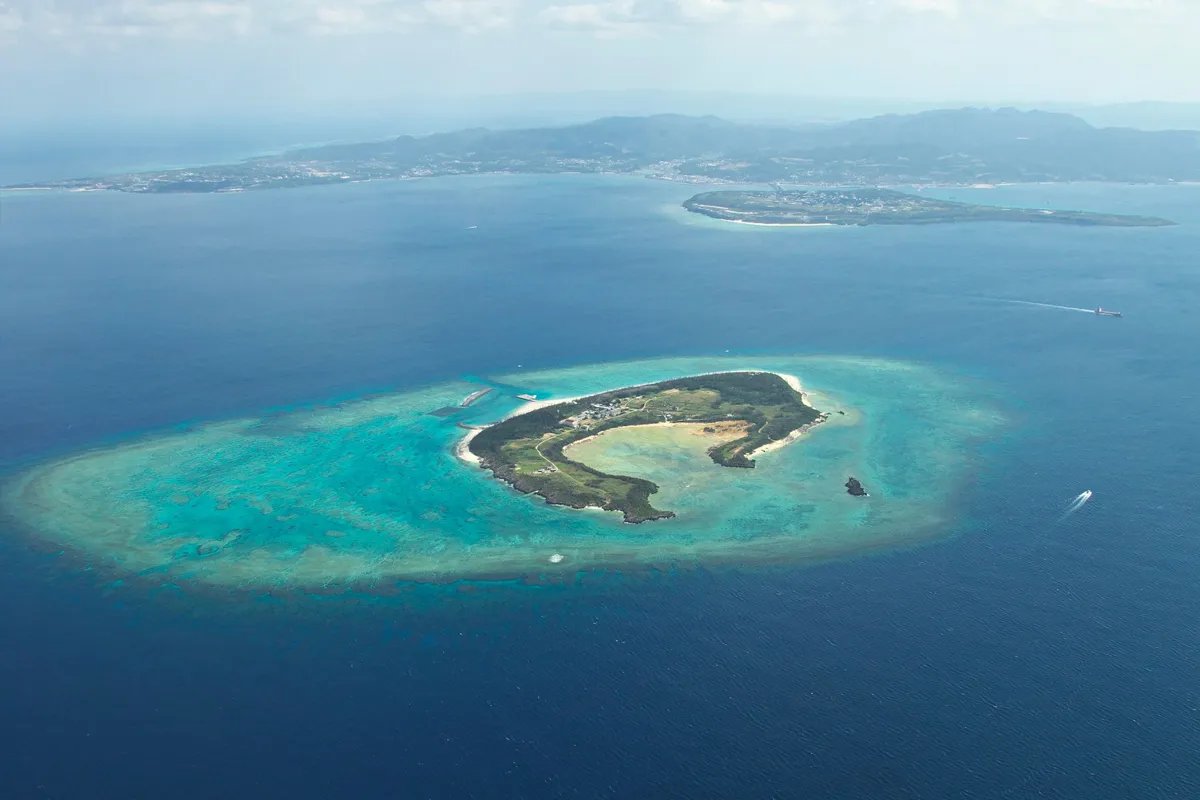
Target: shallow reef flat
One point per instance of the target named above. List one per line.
(369, 492)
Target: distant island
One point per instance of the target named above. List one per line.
(948, 147)
(882, 207)
(746, 411)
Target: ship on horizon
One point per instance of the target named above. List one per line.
(1100, 312)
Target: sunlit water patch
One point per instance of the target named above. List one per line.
(371, 492)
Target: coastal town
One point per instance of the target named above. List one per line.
(817, 207)
(879, 151)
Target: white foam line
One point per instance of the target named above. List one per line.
(1076, 504)
(1042, 305)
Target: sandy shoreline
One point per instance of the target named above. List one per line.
(791, 437)
(463, 447)
(783, 224)
(463, 450)
(534, 405)
(794, 382)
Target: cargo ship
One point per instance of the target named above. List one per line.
(1100, 312)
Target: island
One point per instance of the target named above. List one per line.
(368, 495)
(882, 207)
(752, 409)
(947, 147)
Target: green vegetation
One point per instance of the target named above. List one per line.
(955, 146)
(527, 450)
(883, 207)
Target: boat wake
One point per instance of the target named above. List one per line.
(1076, 504)
(1042, 305)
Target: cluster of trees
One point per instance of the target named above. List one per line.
(763, 430)
(740, 395)
(967, 145)
(611, 492)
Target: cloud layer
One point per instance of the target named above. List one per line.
(218, 18)
(205, 57)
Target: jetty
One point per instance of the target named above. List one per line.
(473, 396)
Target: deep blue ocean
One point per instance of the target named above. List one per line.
(1020, 657)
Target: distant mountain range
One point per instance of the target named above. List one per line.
(960, 146)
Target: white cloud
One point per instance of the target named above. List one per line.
(338, 17)
(11, 19)
(704, 11)
(623, 16)
(1112, 11)
(469, 15)
(220, 19)
(245, 56)
(812, 14)
(610, 18)
(947, 7)
(172, 18)
(364, 17)
(217, 18)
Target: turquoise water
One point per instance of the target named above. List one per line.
(1021, 656)
(371, 490)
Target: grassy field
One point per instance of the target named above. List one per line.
(527, 450)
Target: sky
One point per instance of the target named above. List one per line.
(197, 59)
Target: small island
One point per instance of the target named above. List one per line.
(367, 495)
(754, 409)
(883, 207)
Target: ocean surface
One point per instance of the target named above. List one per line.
(54, 150)
(1019, 654)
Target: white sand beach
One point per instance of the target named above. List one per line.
(463, 448)
(784, 224)
(463, 451)
(534, 405)
(791, 437)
